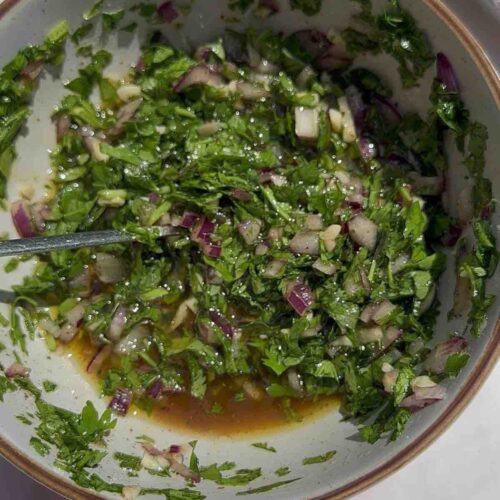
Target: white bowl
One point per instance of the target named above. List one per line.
(465, 31)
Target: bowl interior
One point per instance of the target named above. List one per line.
(27, 22)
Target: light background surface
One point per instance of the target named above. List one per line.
(463, 464)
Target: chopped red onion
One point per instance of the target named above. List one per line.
(63, 125)
(109, 268)
(445, 73)
(199, 74)
(101, 355)
(241, 195)
(117, 325)
(220, 321)
(423, 397)
(32, 70)
(167, 12)
(155, 390)
(334, 57)
(388, 110)
(300, 297)
(436, 360)
(357, 107)
(181, 469)
(211, 250)
(451, 236)
(17, 370)
(154, 198)
(203, 230)
(123, 116)
(40, 213)
(367, 148)
(188, 220)
(306, 243)
(22, 218)
(363, 231)
(249, 230)
(120, 402)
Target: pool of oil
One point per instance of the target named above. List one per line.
(226, 409)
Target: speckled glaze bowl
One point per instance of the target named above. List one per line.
(468, 31)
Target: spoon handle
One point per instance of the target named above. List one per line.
(42, 244)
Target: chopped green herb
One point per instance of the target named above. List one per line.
(320, 458)
(264, 446)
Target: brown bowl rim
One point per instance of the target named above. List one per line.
(471, 386)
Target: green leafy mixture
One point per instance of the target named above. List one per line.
(288, 222)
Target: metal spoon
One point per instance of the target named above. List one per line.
(42, 244)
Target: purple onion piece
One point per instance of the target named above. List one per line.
(203, 230)
(367, 148)
(168, 12)
(388, 110)
(424, 396)
(445, 73)
(199, 74)
(436, 360)
(32, 70)
(241, 195)
(211, 250)
(154, 198)
(99, 358)
(16, 370)
(120, 402)
(22, 218)
(300, 297)
(155, 390)
(452, 235)
(174, 448)
(334, 57)
(188, 220)
(223, 323)
(357, 106)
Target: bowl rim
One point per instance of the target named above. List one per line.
(471, 386)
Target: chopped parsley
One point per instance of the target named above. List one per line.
(264, 446)
(320, 458)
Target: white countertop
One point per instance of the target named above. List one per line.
(462, 464)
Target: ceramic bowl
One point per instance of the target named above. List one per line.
(467, 31)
